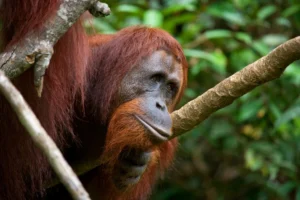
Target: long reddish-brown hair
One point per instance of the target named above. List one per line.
(119, 54)
(24, 171)
(116, 56)
(23, 168)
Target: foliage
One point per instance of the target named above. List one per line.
(251, 149)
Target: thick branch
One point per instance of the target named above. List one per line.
(42, 139)
(223, 94)
(37, 47)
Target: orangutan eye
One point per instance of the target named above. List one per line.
(158, 77)
(172, 88)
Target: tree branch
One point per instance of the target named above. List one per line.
(42, 139)
(223, 94)
(37, 47)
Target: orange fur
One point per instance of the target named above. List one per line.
(75, 68)
(112, 57)
(124, 131)
(24, 170)
(97, 40)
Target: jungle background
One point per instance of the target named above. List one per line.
(250, 149)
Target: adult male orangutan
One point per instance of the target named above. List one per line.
(106, 96)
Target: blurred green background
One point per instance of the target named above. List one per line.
(251, 149)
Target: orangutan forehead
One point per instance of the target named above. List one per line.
(162, 58)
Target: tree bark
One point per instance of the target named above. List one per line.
(223, 94)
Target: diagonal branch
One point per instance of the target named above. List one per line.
(42, 139)
(223, 94)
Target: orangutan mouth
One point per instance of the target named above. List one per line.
(158, 132)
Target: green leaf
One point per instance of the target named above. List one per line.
(129, 9)
(153, 18)
(226, 11)
(217, 58)
(174, 8)
(274, 39)
(171, 23)
(248, 110)
(291, 10)
(266, 12)
(274, 110)
(273, 171)
(190, 93)
(215, 34)
(197, 68)
(253, 161)
(220, 62)
(293, 72)
(245, 37)
(281, 21)
(220, 131)
(242, 58)
(261, 47)
(288, 116)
